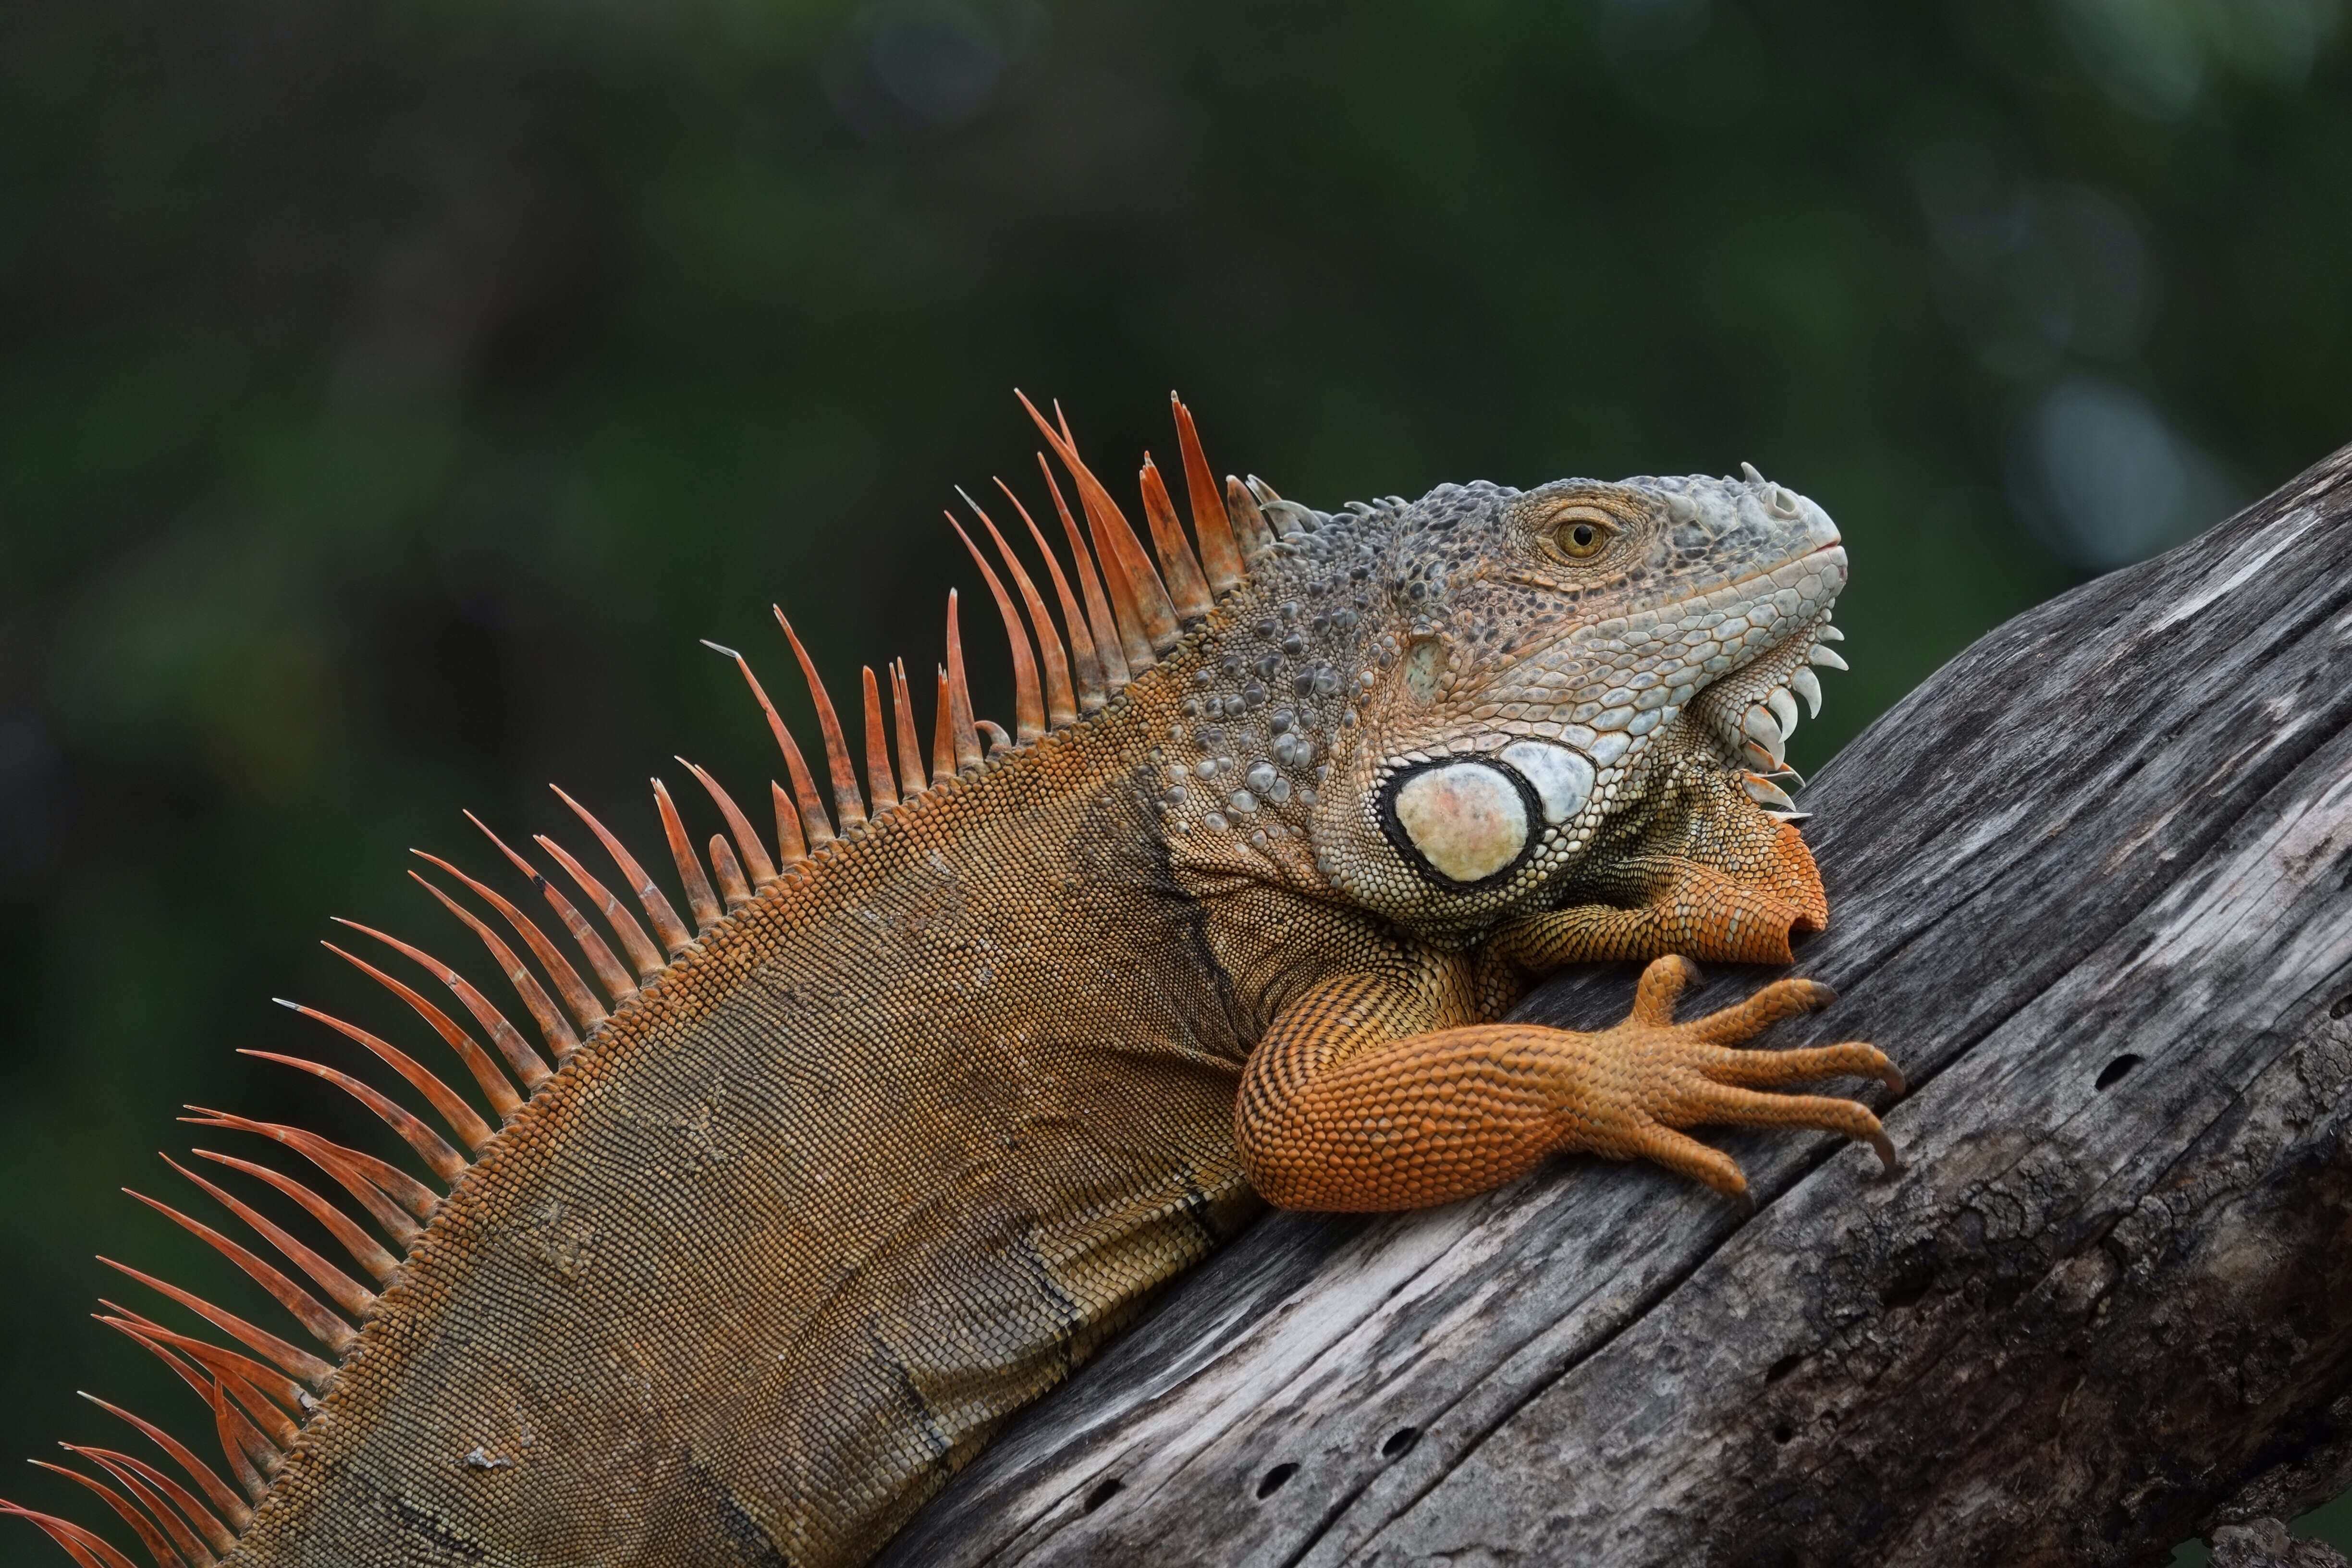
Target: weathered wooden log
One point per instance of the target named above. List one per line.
(2092, 887)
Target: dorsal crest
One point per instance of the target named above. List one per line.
(1120, 612)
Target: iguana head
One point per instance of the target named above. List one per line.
(1524, 652)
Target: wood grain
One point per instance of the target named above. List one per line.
(2092, 887)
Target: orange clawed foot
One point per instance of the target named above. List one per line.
(1656, 1076)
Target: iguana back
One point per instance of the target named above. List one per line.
(810, 1198)
(668, 1318)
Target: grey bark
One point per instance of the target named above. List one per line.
(2267, 1543)
(2092, 887)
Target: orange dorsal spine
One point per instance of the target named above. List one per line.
(655, 903)
(846, 798)
(943, 749)
(755, 854)
(910, 746)
(1028, 703)
(729, 873)
(225, 1502)
(791, 847)
(1186, 586)
(469, 1127)
(558, 1034)
(350, 1295)
(640, 948)
(878, 782)
(1085, 668)
(817, 827)
(699, 900)
(364, 1249)
(528, 1065)
(162, 1495)
(581, 1001)
(1220, 556)
(1147, 620)
(1111, 639)
(961, 732)
(1061, 702)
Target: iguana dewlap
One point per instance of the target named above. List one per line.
(780, 1218)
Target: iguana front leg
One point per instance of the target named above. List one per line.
(1371, 1092)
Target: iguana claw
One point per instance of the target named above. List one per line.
(1689, 1075)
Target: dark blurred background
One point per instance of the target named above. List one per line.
(392, 393)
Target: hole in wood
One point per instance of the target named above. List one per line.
(2112, 1073)
(2343, 1005)
(1104, 1491)
(1783, 1367)
(1783, 1432)
(1910, 1283)
(1271, 1482)
(1402, 1438)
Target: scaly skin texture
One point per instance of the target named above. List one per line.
(897, 1144)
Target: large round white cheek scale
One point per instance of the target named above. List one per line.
(1467, 819)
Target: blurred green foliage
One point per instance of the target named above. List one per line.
(392, 393)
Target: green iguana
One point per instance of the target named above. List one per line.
(783, 1215)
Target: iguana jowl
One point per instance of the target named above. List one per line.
(809, 1199)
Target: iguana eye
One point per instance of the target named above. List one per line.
(1580, 534)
